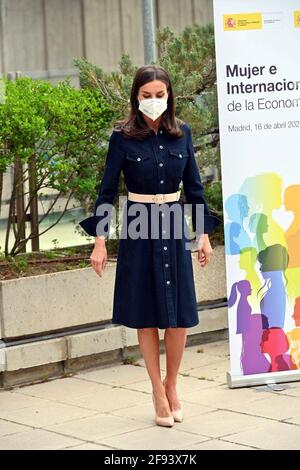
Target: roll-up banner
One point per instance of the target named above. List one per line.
(258, 83)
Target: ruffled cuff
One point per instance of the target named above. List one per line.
(211, 222)
(90, 225)
(207, 221)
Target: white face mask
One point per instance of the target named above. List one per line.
(153, 107)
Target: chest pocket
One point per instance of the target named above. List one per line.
(138, 167)
(180, 154)
(177, 159)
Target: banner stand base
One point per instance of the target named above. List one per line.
(237, 381)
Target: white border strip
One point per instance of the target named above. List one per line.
(262, 379)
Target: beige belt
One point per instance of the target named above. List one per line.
(156, 198)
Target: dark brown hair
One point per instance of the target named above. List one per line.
(135, 126)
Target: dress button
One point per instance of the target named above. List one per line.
(161, 146)
(162, 214)
(180, 156)
(164, 231)
(166, 265)
(165, 247)
(160, 131)
(161, 164)
(138, 159)
(168, 282)
(161, 181)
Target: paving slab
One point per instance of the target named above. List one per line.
(295, 420)
(50, 413)
(215, 371)
(156, 437)
(271, 436)
(292, 390)
(11, 401)
(36, 439)
(215, 444)
(58, 389)
(7, 428)
(224, 398)
(274, 407)
(107, 399)
(220, 423)
(119, 375)
(99, 426)
(217, 348)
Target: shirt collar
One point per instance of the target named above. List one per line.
(161, 129)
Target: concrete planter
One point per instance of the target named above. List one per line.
(63, 319)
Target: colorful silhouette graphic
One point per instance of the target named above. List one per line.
(267, 255)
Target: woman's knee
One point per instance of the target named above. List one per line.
(176, 330)
(147, 330)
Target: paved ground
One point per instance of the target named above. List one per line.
(111, 408)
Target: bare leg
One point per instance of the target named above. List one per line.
(149, 346)
(175, 340)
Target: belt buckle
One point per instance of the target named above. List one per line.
(159, 198)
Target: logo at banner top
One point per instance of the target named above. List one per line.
(242, 21)
(297, 18)
(230, 23)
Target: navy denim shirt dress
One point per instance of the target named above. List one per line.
(154, 284)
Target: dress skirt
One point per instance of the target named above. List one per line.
(154, 284)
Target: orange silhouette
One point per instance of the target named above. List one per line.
(292, 235)
(294, 335)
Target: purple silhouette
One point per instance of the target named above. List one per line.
(250, 326)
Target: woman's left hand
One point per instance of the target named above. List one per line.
(204, 250)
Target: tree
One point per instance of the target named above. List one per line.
(57, 132)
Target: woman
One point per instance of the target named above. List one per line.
(154, 284)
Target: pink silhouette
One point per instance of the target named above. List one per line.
(275, 343)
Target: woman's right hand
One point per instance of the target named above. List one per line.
(99, 256)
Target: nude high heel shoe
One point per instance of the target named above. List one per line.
(177, 414)
(162, 420)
